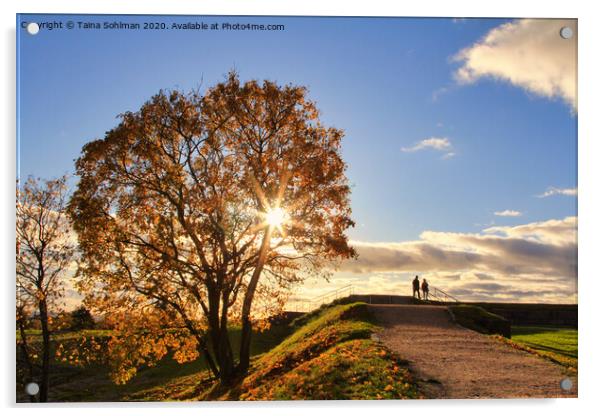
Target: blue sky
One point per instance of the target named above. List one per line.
(390, 83)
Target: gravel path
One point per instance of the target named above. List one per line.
(456, 363)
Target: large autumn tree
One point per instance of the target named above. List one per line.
(200, 210)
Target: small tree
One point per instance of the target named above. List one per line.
(44, 251)
(199, 210)
(81, 318)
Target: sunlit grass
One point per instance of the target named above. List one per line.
(558, 344)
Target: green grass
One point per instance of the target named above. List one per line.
(557, 344)
(309, 316)
(35, 335)
(351, 370)
(478, 319)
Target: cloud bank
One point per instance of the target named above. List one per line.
(528, 53)
(530, 262)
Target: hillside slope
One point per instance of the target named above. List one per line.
(332, 356)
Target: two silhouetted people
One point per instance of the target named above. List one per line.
(416, 286)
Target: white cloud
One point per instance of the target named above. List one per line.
(528, 53)
(441, 144)
(508, 213)
(551, 191)
(555, 232)
(448, 155)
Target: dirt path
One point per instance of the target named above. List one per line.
(456, 363)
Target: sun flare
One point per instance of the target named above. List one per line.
(276, 217)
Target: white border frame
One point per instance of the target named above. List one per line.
(590, 289)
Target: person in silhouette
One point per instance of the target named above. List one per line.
(425, 289)
(416, 287)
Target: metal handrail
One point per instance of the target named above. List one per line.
(308, 305)
(441, 295)
(334, 293)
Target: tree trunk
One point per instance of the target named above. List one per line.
(220, 341)
(245, 345)
(25, 354)
(246, 331)
(226, 359)
(45, 377)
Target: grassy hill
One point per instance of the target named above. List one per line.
(330, 356)
(478, 319)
